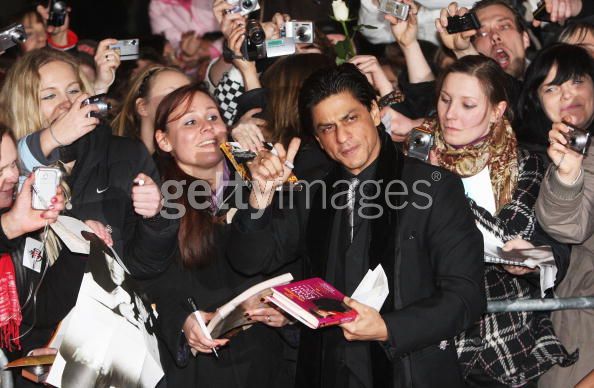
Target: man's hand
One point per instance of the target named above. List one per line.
(560, 10)
(196, 338)
(368, 65)
(146, 196)
(269, 170)
(368, 326)
(458, 42)
(22, 218)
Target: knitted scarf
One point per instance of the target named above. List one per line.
(498, 150)
(10, 309)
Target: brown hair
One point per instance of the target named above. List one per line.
(196, 232)
(127, 121)
(284, 80)
(493, 80)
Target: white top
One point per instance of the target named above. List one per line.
(478, 187)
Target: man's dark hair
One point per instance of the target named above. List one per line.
(518, 19)
(328, 82)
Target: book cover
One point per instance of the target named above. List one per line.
(313, 302)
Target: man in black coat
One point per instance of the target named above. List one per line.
(410, 217)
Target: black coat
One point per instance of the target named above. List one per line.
(258, 357)
(433, 259)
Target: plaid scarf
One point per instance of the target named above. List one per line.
(498, 151)
(10, 308)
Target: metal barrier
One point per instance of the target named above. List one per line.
(5, 374)
(552, 304)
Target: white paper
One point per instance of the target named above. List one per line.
(478, 188)
(373, 289)
(32, 254)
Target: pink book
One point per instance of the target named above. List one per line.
(313, 302)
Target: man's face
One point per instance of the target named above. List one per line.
(500, 39)
(347, 131)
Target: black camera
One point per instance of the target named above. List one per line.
(541, 13)
(254, 44)
(11, 35)
(57, 13)
(578, 139)
(101, 101)
(420, 142)
(466, 22)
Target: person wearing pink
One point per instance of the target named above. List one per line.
(174, 17)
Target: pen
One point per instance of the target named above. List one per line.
(201, 322)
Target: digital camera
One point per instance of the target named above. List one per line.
(254, 44)
(301, 32)
(11, 35)
(578, 139)
(45, 186)
(466, 22)
(127, 48)
(57, 13)
(243, 7)
(541, 13)
(101, 101)
(397, 9)
(420, 142)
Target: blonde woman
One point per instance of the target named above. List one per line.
(112, 179)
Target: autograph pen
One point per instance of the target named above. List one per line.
(194, 307)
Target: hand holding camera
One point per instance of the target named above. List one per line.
(12, 35)
(73, 124)
(107, 61)
(456, 26)
(22, 218)
(567, 148)
(404, 30)
(556, 11)
(56, 18)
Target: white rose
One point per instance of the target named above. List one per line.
(341, 11)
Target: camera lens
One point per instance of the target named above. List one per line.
(302, 34)
(247, 4)
(420, 140)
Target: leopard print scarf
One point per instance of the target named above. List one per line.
(498, 150)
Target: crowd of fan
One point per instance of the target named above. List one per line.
(500, 99)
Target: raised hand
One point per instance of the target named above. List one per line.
(248, 132)
(107, 61)
(146, 196)
(74, 123)
(568, 162)
(269, 170)
(459, 42)
(368, 65)
(405, 31)
(22, 218)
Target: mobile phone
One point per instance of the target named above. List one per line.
(45, 186)
(395, 8)
(127, 48)
(541, 13)
(462, 23)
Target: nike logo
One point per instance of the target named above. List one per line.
(99, 191)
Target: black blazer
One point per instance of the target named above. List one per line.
(430, 248)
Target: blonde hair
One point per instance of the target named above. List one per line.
(127, 121)
(19, 98)
(19, 104)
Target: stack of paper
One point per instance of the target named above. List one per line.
(373, 289)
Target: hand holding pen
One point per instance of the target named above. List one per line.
(197, 334)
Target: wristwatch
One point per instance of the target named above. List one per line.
(394, 97)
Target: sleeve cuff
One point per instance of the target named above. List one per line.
(562, 190)
(30, 153)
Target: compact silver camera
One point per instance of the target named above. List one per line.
(420, 142)
(127, 48)
(301, 32)
(578, 139)
(395, 8)
(11, 35)
(101, 101)
(243, 7)
(45, 186)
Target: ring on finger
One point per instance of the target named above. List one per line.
(268, 318)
